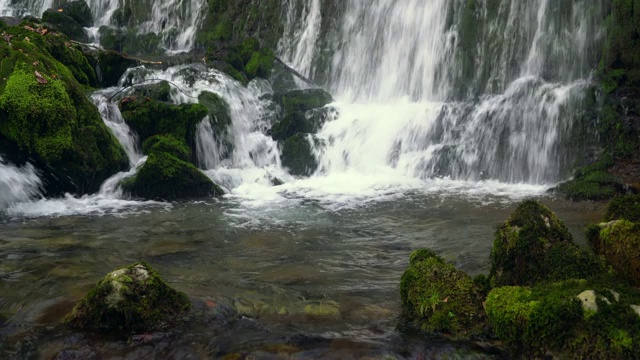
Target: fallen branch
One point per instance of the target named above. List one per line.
(147, 81)
(294, 72)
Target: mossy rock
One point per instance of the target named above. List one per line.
(437, 298)
(260, 64)
(297, 155)
(78, 11)
(129, 41)
(552, 320)
(595, 185)
(166, 177)
(66, 24)
(46, 117)
(624, 208)
(110, 66)
(166, 144)
(160, 91)
(303, 100)
(149, 117)
(218, 111)
(534, 245)
(619, 243)
(132, 299)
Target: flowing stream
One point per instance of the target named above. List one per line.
(445, 114)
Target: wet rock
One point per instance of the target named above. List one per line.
(78, 11)
(166, 177)
(619, 243)
(320, 310)
(550, 320)
(533, 245)
(303, 100)
(438, 298)
(297, 155)
(66, 24)
(134, 298)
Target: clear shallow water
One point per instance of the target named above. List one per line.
(266, 262)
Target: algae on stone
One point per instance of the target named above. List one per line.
(619, 242)
(133, 299)
(533, 245)
(438, 298)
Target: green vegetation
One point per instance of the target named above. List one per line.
(133, 299)
(551, 319)
(438, 298)
(624, 208)
(167, 144)
(45, 115)
(533, 245)
(167, 177)
(303, 100)
(619, 242)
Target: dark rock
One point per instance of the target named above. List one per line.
(134, 298)
(297, 155)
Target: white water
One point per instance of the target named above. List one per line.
(400, 65)
(17, 183)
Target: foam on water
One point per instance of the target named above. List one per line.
(17, 183)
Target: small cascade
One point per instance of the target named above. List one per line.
(18, 184)
(246, 153)
(302, 29)
(112, 117)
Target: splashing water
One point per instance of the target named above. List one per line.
(17, 183)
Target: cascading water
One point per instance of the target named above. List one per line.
(454, 89)
(17, 183)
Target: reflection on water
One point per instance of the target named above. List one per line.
(319, 283)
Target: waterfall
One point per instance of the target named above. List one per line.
(454, 89)
(112, 117)
(17, 183)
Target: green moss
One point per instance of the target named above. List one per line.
(166, 144)
(129, 41)
(260, 64)
(51, 121)
(166, 177)
(624, 208)
(550, 319)
(534, 245)
(160, 91)
(303, 100)
(297, 155)
(619, 243)
(148, 118)
(218, 111)
(66, 24)
(134, 299)
(111, 66)
(248, 47)
(79, 11)
(595, 185)
(438, 298)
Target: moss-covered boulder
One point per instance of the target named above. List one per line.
(133, 299)
(260, 64)
(624, 208)
(297, 155)
(66, 24)
(160, 91)
(149, 117)
(219, 112)
(46, 116)
(576, 319)
(619, 243)
(167, 177)
(79, 11)
(303, 100)
(110, 66)
(166, 144)
(438, 298)
(591, 183)
(533, 245)
(129, 41)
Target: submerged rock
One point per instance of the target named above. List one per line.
(571, 319)
(619, 243)
(438, 298)
(134, 298)
(533, 245)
